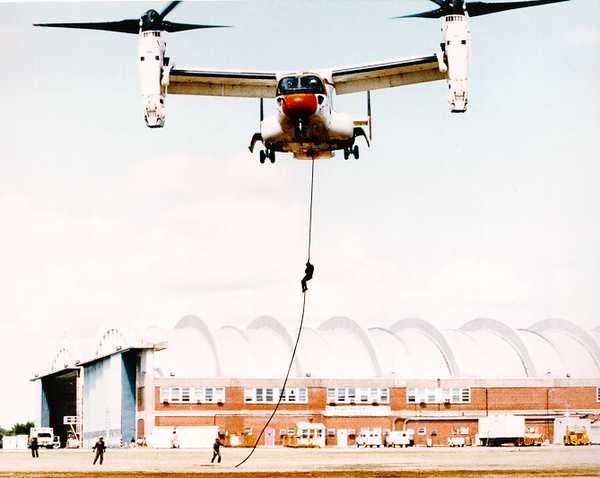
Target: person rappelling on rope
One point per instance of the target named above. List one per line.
(308, 273)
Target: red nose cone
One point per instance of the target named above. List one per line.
(300, 106)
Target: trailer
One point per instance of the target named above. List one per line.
(401, 438)
(496, 430)
(369, 437)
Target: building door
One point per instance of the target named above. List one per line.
(342, 437)
(270, 437)
(140, 428)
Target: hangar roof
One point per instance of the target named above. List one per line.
(340, 348)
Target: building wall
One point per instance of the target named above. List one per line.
(439, 420)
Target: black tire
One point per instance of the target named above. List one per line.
(355, 151)
(262, 156)
(272, 156)
(346, 153)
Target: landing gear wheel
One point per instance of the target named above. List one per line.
(355, 152)
(346, 153)
(271, 155)
(262, 156)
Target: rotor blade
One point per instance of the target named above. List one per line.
(168, 9)
(124, 26)
(439, 3)
(437, 13)
(180, 27)
(475, 9)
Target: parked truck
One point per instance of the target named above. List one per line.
(45, 437)
(496, 430)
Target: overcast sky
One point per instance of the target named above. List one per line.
(447, 217)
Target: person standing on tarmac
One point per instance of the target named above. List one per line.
(216, 450)
(34, 445)
(99, 448)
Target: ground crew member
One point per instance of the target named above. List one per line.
(308, 273)
(216, 447)
(34, 445)
(99, 448)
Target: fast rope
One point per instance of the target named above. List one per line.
(304, 292)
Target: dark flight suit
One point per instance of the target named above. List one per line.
(308, 273)
(34, 448)
(100, 446)
(216, 453)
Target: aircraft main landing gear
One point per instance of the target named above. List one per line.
(267, 153)
(351, 151)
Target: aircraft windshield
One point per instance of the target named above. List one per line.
(300, 84)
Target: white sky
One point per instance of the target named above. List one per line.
(448, 217)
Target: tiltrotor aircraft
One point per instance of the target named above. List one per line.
(306, 123)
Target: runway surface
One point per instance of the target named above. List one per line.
(548, 461)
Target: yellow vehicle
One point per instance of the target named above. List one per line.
(575, 437)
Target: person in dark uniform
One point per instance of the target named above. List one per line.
(99, 448)
(34, 445)
(308, 273)
(216, 450)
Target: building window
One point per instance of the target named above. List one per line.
(185, 394)
(192, 395)
(384, 395)
(431, 395)
(358, 395)
(351, 395)
(363, 395)
(598, 394)
(330, 395)
(271, 395)
(302, 395)
(164, 395)
(438, 395)
(175, 395)
(421, 431)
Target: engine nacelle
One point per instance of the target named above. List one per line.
(457, 40)
(151, 61)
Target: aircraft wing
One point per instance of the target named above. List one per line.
(250, 84)
(386, 74)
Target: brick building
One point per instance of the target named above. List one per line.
(345, 377)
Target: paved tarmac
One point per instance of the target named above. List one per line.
(547, 461)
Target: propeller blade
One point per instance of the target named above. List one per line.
(475, 9)
(168, 9)
(123, 26)
(180, 27)
(437, 13)
(439, 3)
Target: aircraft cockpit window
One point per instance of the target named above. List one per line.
(300, 84)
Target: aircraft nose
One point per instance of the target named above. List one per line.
(299, 105)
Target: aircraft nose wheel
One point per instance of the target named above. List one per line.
(351, 151)
(266, 153)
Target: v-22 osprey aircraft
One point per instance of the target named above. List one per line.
(305, 123)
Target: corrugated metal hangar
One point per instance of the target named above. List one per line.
(148, 384)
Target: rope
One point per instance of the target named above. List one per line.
(287, 375)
